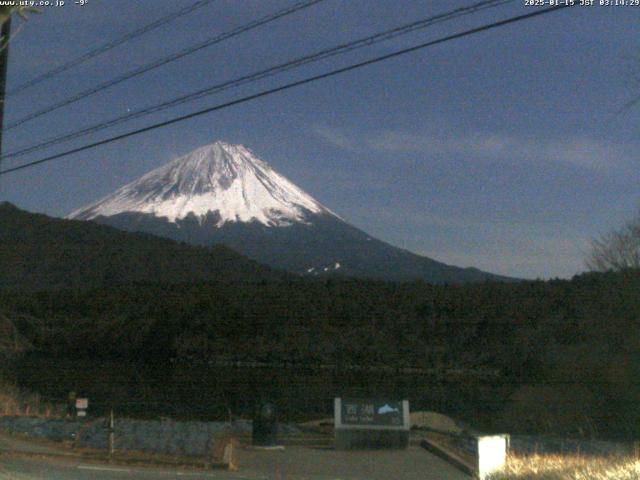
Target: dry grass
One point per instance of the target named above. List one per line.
(14, 402)
(565, 467)
(6, 475)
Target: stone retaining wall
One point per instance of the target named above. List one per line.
(152, 436)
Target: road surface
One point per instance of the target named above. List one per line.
(38, 462)
(24, 468)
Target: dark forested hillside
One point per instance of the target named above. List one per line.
(549, 347)
(507, 326)
(326, 246)
(40, 252)
(562, 355)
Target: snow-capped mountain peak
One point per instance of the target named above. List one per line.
(221, 179)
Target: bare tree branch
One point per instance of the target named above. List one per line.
(617, 250)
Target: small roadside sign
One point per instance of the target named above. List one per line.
(372, 414)
(371, 423)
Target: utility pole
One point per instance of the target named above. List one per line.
(112, 436)
(5, 32)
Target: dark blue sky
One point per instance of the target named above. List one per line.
(506, 150)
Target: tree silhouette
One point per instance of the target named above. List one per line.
(616, 250)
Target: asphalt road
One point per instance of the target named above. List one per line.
(22, 459)
(22, 468)
(295, 464)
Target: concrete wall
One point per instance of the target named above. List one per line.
(153, 436)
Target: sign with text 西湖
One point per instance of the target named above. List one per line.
(371, 414)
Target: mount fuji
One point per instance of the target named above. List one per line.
(223, 193)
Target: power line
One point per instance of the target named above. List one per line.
(109, 46)
(288, 86)
(165, 60)
(295, 63)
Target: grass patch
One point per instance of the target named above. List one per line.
(15, 402)
(568, 467)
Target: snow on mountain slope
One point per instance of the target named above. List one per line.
(223, 194)
(218, 178)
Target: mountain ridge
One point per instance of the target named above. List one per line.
(39, 252)
(223, 193)
(241, 186)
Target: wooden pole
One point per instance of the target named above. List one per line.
(5, 33)
(112, 435)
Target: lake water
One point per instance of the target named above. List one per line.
(215, 392)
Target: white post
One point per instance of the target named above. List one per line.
(492, 455)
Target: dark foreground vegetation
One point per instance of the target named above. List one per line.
(564, 353)
(560, 356)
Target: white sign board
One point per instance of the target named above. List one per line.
(369, 414)
(82, 403)
(371, 423)
(492, 455)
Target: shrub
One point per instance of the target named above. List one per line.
(567, 467)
